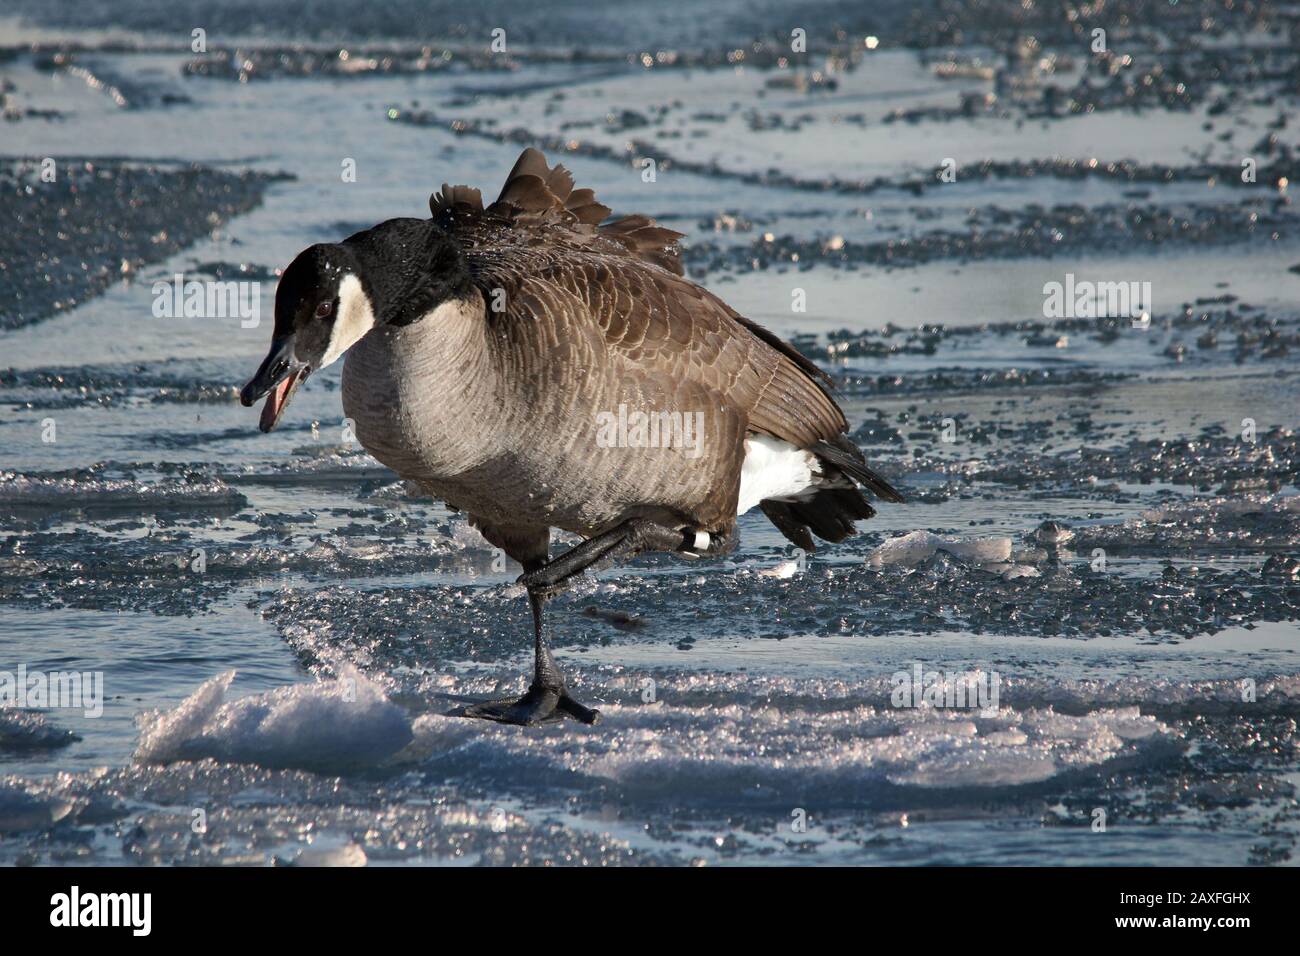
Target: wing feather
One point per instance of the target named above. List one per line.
(539, 242)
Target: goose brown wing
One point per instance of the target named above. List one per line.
(668, 326)
(540, 249)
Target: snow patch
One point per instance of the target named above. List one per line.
(338, 725)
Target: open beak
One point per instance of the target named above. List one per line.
(278, 378)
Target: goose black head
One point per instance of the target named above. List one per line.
(333, 294)
(321, 309)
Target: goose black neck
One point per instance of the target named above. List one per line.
(408, 267)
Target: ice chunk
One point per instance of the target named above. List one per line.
(782, 571)
(348, 855)
(909, 549)
(1010, 572)
(162, 735)
(917, 546)
(31, 730)
(20, 810)
(978, 550)
(338, 725)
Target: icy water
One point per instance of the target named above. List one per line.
(1103, 514)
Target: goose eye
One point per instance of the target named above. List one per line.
(324, 309)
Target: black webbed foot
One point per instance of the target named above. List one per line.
(540, 705)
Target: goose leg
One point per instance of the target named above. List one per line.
(547, 699)
(604, 550)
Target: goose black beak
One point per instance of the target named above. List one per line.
(278, 378)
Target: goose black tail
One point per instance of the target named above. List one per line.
(848, 458)
(830, 512)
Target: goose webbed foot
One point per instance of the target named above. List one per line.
(547, 699)
(541, 705)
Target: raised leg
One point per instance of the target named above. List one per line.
(611, 547)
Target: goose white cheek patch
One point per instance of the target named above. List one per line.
(355, 318)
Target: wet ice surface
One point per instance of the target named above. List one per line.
(1102, 518)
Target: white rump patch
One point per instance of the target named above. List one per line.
(775, 469)
(354, 320)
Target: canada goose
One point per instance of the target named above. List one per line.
(524, 364)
